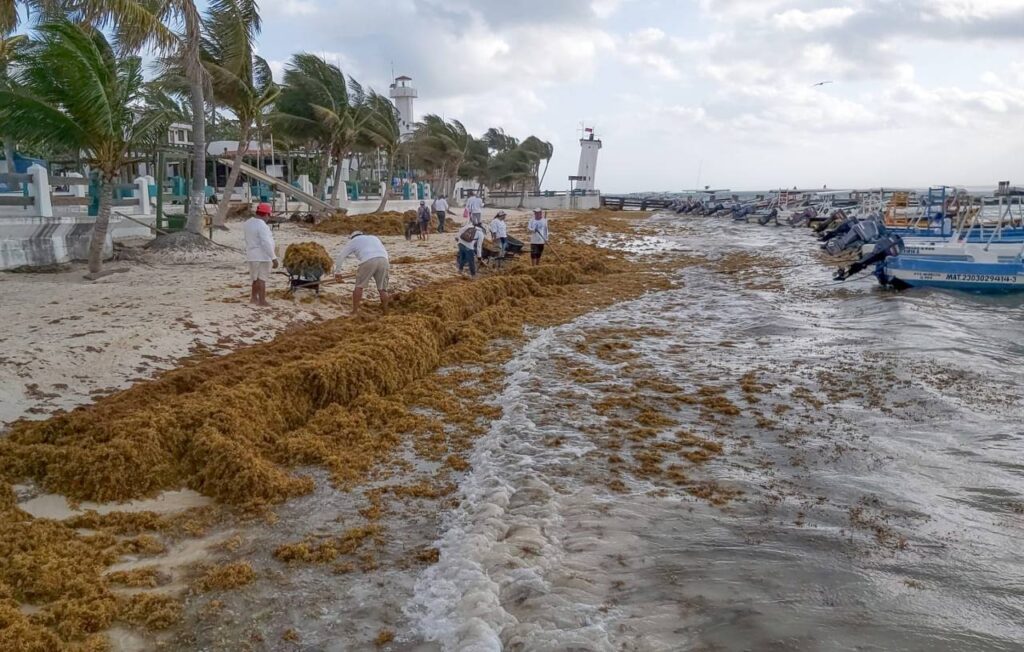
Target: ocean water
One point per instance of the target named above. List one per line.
(869, 494)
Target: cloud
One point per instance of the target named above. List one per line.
(809, 21)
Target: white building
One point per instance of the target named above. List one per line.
(404, 96)
(179, 134)
(589, 147)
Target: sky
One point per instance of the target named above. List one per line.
(688, 93)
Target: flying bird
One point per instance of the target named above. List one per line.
(820, 84)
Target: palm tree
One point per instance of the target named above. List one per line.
(381, 131)
(540, 151)
(74, 93)
(318, 105)
(11, 47)
(175, 28)
(498, 141)
(441, 146)
(10, 17)
(241, 81)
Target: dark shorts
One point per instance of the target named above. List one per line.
(536, 250)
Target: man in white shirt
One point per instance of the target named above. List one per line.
(471, 247)
(538, 228)
(373, 264)
(499, 232)
(475, 206)
(441, 208)
(260, 253)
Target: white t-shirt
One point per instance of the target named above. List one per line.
(259, 242)
(363, 247)
(499, 229)
(475, 204)
(440, 206)
(538, 230)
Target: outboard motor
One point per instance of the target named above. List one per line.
(742, 213)
(837, 218)
(888, 245)
(841, 229)
(773, 214)
(802, 218)
(859, 234)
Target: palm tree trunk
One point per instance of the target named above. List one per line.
(236, 171)
(337, 180)
(100, 228)
(387, 185)
(321, 183)
(197, 199)
(9, 155)
(543, 174)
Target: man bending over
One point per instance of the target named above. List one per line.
(373, 264)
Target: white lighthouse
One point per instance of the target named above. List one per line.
(589, 147)
(404, 95)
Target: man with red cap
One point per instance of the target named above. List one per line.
(260, 253)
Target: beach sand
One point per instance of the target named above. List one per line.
(67, 340)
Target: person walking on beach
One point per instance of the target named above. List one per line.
(373, 264)
(538, 228)
(441, 209)
(499, 232)
(475, 206)
(471, 247)
(260, 253)
(423, 216)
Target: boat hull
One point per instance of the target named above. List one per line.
(912, 271)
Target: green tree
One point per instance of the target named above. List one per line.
(539, 151)
(241, 80)
(12, 46)
(498, 141)
(175, 29)
(74, 93)
(320, 106)
(381, 131)
(440, 147)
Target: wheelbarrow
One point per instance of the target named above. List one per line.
(304, 278)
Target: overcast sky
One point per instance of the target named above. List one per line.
(925, 91)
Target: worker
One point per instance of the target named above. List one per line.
(538, 228)
(475, 206)
(260, 252)
(471, 247)
(373, 264)
(441, 209)
(423, 217)
(499, 232)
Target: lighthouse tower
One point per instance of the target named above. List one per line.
(589, 147)
(404, 95)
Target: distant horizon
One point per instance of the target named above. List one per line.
(974, 188)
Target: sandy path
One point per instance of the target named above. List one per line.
(66, 340)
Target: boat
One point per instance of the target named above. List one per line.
(951, 241)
